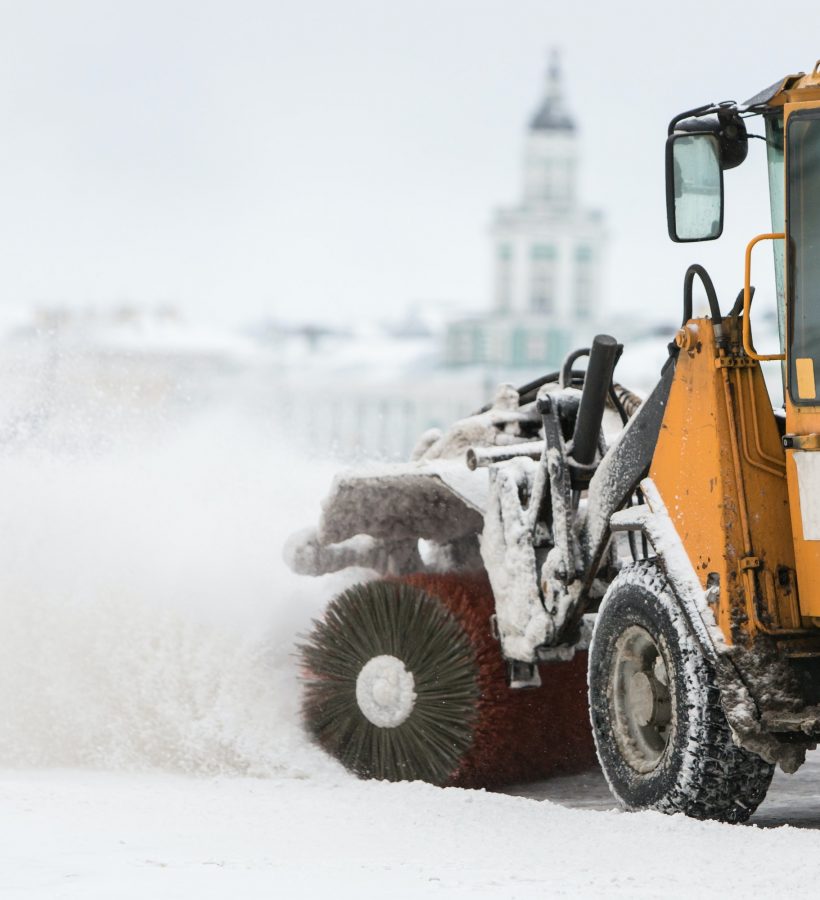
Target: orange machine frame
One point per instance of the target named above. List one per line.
(720, 466)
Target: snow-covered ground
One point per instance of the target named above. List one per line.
(71, 834)
(150, 744)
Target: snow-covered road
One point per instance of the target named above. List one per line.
(792, 799)
(69, 834)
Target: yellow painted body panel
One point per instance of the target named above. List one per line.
(720, 467)
(798, 88)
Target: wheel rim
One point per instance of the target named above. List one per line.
(641, 699)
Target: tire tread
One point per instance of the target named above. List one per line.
(717, 778)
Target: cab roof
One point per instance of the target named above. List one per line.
(787, 90)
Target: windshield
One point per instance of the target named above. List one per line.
(804, 253)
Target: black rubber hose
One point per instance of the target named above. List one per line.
(737, 309)
(531, 387)
(527, 392)
(711, 294)
(565, 379)
(619, 407)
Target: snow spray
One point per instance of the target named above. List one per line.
(146, 617)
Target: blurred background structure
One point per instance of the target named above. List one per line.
(287, 207)
(548, 255)
(369, 389)
(376, 392)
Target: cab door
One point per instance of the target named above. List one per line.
(802, 246)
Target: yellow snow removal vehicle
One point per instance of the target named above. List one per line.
(571, 553)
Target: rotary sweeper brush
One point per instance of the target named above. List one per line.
(660, 579)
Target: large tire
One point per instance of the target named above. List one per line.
(660, 731)
(464, 726)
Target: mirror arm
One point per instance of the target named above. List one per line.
(691, 114)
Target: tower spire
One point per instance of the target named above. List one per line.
(551, 114)
(554, 75)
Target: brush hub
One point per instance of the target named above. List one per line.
(385, 691)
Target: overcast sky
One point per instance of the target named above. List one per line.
(325, 159)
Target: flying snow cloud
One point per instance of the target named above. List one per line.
(146, 617)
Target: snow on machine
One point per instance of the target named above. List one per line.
(550, 586)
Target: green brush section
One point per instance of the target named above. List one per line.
(379, 618)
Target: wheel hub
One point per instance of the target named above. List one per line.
(643, 698)
(385, 691)
(641, 701)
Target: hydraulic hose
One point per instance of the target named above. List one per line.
(528, 392)
(737, 309)
(711, 294)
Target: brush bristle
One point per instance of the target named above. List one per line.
(521, 735)
(390, 618)
(467, 728)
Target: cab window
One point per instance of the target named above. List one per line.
(803, 212)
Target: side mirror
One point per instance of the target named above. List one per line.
(694, 187)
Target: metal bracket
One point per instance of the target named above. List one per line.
(801, 441)
(494, 627)
(521, 675)
(734, 362)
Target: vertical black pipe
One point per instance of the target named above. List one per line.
(602, 358)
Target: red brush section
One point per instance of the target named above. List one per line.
(521, 735)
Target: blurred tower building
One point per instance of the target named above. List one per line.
(547, 255)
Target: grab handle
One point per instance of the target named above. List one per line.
(747, 299)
